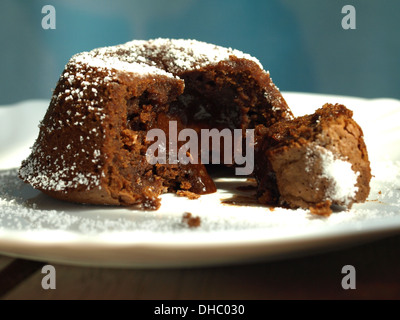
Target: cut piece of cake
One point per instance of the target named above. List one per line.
(313, 161)
(92, 142)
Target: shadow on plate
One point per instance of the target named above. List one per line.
(242, 191)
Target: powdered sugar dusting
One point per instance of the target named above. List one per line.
(187, 54)
(161, 56)
(109, 62)
(342, 179)
(24, 209)
(37, 225)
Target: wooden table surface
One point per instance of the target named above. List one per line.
(317, 276)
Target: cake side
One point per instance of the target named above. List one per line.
(84, 144)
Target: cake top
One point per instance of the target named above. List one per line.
(107, 62)
(159, 56)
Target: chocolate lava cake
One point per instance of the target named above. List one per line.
(313, 161)
(92, 142)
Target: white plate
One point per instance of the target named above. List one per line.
(35, 226)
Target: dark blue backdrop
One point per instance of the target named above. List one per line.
(301, 42)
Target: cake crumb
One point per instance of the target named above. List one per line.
(322, 208)
(186, 185)
(188, 194)
(192, 222)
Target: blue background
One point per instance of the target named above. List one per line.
(301, 42)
